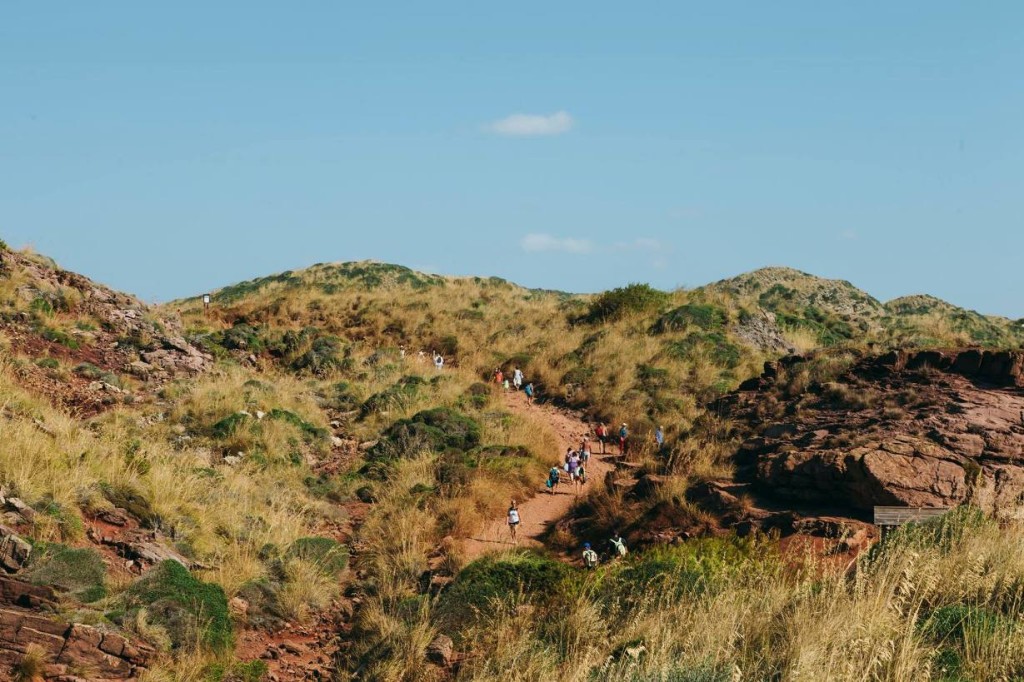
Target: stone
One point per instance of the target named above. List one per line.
(14, 550)
(441, 650)
(23, 510)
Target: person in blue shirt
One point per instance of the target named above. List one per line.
(659, 437)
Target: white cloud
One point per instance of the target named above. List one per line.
(547, 242)
(640, 244)
(533, 125)
(646, 243)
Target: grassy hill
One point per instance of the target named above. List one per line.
(292, 453)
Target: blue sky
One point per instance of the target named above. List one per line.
(167, 149)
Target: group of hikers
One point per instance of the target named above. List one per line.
(517, 381)
(591, 559)
(574, 466)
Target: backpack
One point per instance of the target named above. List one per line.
(589, 558)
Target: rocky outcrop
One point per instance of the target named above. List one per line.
(73, 652)
(925, 428)
(116, 335)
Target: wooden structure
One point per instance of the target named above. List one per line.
(890, 517)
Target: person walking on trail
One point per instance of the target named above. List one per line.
(499, 378)
(513, 521)
(529, 392)
(584, 453)
(602, 435)
(517, 378)
(589, 557)
(438, 361)
(554, 478)
(581, 474)
(504, 385)
(659, 437)
(623, 436)
(619, 544)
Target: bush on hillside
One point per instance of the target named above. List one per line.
(78, 571)
(498, 577)
(440, 429)
(633, 299)
(328, 555)
(397, 397)
(705, 316)
(186, 607)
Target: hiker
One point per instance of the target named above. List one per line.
(513, 521)
(589, 557)
(579, 477)
(619, 544)
(659, 437)
(498, 376)
(517, 378)
(504, 386)
(529, 392)
(602, 435)
(623, 435)
(554, 478)
(438, 361)
(401, 352)
(584, 452)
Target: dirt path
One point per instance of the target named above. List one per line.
(540, 511)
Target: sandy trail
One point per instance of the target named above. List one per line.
(543, 509)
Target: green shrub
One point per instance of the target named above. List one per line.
(243, 337)
(632, 299)
(226, 427)
(960, 622)
(48, 363)
(79, 572)
(42, 306)
(396, 397)
(493, 578)
(705, 316)
(187, 608)
(131, 500)
(440, 429)
(57, 336)
(343, 397)
(310, 431)
(330, 556)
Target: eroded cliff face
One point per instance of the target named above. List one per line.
(925, 428)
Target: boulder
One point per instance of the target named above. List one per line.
(14, 550)
(441, 650)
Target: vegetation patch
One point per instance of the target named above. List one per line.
(186, 607)
(633, 299)
(78, 571)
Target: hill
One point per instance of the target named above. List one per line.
(282, 485)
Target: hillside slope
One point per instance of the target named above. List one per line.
(283, 486)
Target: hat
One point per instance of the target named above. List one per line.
(586, 545)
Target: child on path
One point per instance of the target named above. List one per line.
(529, 392)
(505, 386)
(659, 437)
(589, 557)
(554, 478)
(623, 435)
(513, 521)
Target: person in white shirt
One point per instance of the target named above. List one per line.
(513, 521)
